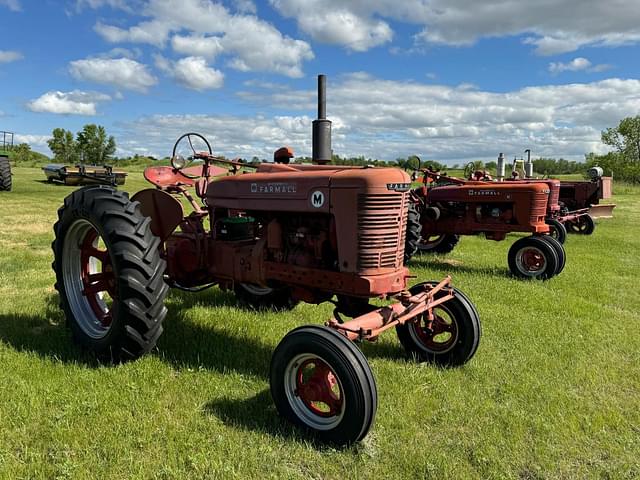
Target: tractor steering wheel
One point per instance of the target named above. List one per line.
(468, 170)
(188, 137)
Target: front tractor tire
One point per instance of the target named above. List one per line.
(5, 174)
(109, 273)
(583, 225)
(557, 230)
(453, 336)
(321, 382)
(533, 258)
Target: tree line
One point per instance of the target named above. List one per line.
(93, 145)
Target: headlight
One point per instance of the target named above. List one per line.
(178, 162)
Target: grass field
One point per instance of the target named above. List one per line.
(553, 391)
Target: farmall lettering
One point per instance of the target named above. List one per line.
(483, 193)
(269, 188)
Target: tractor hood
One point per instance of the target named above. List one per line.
(299, 185)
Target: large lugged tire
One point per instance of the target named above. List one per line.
(109, 273)
(584, 225)
(454, 335)
(322, 382)
(533, 257)
(256, 297)
(5, 174)
(438, 243)
(556, 230)
(413, 234)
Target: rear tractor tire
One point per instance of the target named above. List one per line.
(5, 174)
(557, 230)
(444, 243)
(109, 273)
(414, 229)
(533, 258)
(257, 297)
(584, 225)
(321, 382)
(451, 339)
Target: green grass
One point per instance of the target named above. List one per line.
(553, 391)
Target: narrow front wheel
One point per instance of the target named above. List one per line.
(533, 258)
(450, 338)
(322, 382)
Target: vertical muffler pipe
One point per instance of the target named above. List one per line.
(321, 132)
(500, 168)
(528, 166)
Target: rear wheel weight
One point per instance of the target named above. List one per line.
(321, 381)
(454, 336)
(109, 273)
(533, 258)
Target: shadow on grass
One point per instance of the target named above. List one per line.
(259, 414)
(444, 267)
(183, 344)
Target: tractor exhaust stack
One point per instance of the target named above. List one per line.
(528, 166)
(501, 162)
(321, 133)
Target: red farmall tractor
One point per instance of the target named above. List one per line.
(448, 207)
(278, 236)
(572, 205)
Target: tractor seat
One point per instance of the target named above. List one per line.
(167, 177)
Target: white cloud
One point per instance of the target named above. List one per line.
(120, 72)
(386, 119)
(577, 64)
(334, 23)
(7, 56)
(68, 103)
(251, 44)
(192, 72)
(552, 26)
(13, 5)
(207, 47)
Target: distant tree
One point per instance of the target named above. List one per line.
(625, 137)
(63, 146)
(94, 146)
(491, 166)
(22, 153)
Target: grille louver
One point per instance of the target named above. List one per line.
(382, 220)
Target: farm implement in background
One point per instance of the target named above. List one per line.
(275, 237)
(6, 139)
(84, 174)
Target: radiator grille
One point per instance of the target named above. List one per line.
(382, 220)
(539, 207)
(554, 196)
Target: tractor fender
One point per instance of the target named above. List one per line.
(165, 211)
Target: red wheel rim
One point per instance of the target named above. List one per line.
(440, 337)
(532, 260)
(95, 284)
(318, 388)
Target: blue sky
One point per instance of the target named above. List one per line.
(452, 80)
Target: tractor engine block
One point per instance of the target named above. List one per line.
(302, 240)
